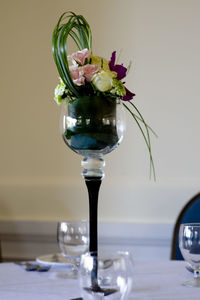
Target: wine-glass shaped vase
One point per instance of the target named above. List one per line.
(189, 244)
(93, 126)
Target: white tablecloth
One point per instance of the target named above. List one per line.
(152, 281)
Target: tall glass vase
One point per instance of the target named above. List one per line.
(93, 126)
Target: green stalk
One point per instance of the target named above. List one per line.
(146, 138)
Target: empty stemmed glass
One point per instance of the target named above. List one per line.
(73, 241)
(106, 275)
(189, 243)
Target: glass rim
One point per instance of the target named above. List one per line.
(73, 221)
(190, 224)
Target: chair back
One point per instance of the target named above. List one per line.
(0, 253)
(189, 214)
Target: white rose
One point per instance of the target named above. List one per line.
(103, 80)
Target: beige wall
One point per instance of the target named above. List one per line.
(39, 177)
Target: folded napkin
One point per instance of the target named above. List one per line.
(29, 266)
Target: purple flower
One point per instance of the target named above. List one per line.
(119, 69)
(121, 73)
(129, 95)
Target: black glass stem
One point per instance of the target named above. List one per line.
(93, 185)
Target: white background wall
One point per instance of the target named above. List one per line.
(39, 177)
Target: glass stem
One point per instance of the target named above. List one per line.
(93, 185)
(93, 175)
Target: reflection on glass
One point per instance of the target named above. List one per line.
(189, 243)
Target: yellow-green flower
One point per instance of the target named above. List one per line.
(59, 91)
(103, 80)
(118, 88)
(100, 61)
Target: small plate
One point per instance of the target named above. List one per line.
(53, 260)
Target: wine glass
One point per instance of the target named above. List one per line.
(106, 275)
(73, 241)
(189, 243)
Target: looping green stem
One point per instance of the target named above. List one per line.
(79, 30)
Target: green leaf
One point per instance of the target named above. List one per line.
(76, 27)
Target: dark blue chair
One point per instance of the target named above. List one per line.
(0, 253)
(189, 214)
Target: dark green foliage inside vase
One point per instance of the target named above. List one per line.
(94, 123)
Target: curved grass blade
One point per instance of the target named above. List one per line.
(149, 141)
(79, 30)
(149, 127)
(146, 138)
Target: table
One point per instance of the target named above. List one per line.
(155, 280)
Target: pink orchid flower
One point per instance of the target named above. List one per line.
(77, 75)
(90, 71)
(79, 56)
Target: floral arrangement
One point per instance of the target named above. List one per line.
(84, 74)
(94, 75)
